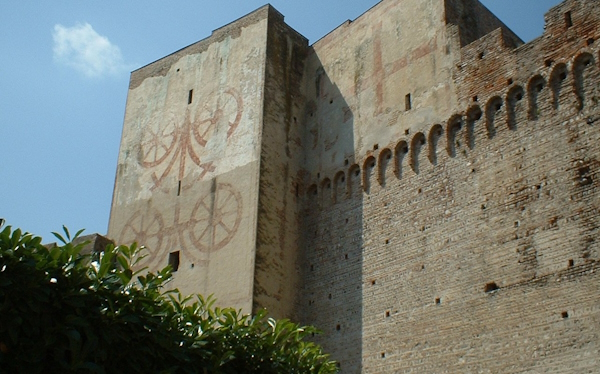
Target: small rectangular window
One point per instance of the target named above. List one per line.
(190, 96)
(568, 20)
(407, 102)
(174, 260)
(179, 188)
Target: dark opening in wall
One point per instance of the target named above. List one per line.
(509, 81)
(475, 98)
(346, 256)
(190, 96)
(481, 54)
(435, 135)
(438, 300)
(492, 114)
(473, 115)
(564, 315)
(376, 147)
(407, 102)
(312, 267)
(568, 20)
(453, 128)
(382, 354)
(534, 89)
(400, 151)
(417, 143)
(491, 287)
(590, 41)
(571, 263)
(174, 260)
(387, 313)
(179, 188)
(406, 132)
(338, 327)
(584, 178)
(373, 282)
(583, 88)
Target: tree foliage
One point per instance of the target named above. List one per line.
(65, 312)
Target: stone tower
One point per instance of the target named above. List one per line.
(419, 184)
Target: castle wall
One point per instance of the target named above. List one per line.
(278, 242)
(425, 194)
(476, 246)
(188, 171)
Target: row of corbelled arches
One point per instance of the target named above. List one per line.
(566, 85)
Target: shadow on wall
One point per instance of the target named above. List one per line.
(331, 296)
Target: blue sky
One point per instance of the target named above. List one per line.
(64, 72)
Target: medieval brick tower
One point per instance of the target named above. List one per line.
(419, 184)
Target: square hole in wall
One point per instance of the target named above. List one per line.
(382, 354)
(174, 260)
(338, 327)
(492, 286)
(564, 315)
(438, 300)
(387, 313)
(571, 263)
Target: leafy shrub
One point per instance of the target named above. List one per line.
(66, 312)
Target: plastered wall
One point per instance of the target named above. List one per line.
(187, 178)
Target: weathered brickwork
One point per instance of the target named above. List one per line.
(419, 184)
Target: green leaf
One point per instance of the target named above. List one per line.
(59, 237)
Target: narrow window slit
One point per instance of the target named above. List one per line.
(568, 20)
(190, 96)
(174, 260)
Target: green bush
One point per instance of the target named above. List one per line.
(65, 312)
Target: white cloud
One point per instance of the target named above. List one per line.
(82, 48)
